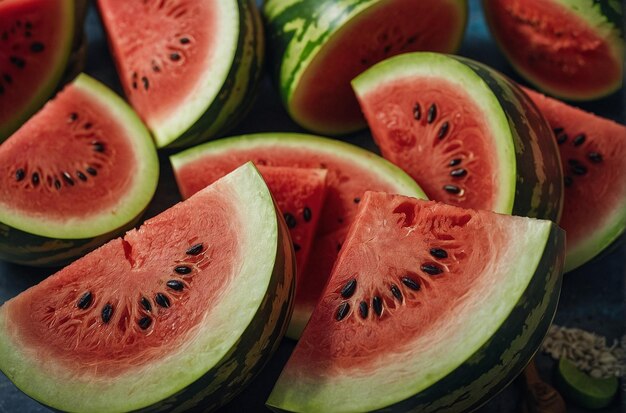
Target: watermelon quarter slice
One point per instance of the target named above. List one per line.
(78, 173)
(189, 68)
(593, 153)
(430, 308)
(350, 172)
(464, 132)
(35, 43)
(167, 318)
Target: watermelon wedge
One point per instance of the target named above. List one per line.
(430, 308)
(178, 314)
(593, 153)
(350, 172)
(77, 174)
(189, 68)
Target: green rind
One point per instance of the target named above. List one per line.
(55, 74)
(238, 90)
(297, 30)
(505, 354)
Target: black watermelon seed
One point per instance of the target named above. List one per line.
(145, 322)
(174, 57)
(307, 214)
(20, 174)
(194, 249)
(339, 246)
(455, 162)
(363, 309)
(594, 157)
(68, 178)
(7, 78)
(17, 61)
(561, 139)
(107, 313)
(431, 269)
(438, 253)
(81, 176)
(557, 130)
(88, 126)
(579, 169)
(342, 311)
(98, 146)
(573, 162)
(92, 171)
(175, 285)
(443, 131)
(377, 305)
(417, 111)
(182, 269)
(37, 47)
(290, 220)
(28, 25)
(73, 116)
(296, 247)
(396, 291)
(162, 300)
(35, 179)
(458, 173)
(57, 184)
(145, 303)
(411, 283)
(135, 84)
(453, 189)
(568, 181)
(348, 290)
(146, 82)
(85, 300)
(432, 113)
(579, 139)
(357, 200)
(184, 40)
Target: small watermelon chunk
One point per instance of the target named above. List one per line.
(464, 132)
(593, 153)
(350, 172)
(430, 308)
(173, 314)
(77, 174)
(35, 44)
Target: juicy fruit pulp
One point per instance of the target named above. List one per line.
(82, 167)
(35, 42)
(164, 301)
(463, 132)
(198, 70)
(332, 43)
(562, 46)
(593, 153)
(350, 172)
(426, 302)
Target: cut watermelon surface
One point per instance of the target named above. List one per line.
(79, 172)
(593, 153)
(429, 308)
(159, 319)
(350, 172)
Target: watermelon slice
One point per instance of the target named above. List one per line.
(350, 172)
(189, 68)
(430, 308)
(297, 191)
(78, 173)
(568, 48)
(593, 153)
(319, 46)
(35, 43)
(180, 313)
(464, 132)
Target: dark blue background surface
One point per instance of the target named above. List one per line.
(592, 296)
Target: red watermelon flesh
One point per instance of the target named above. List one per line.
(299, 194)
(593, 154)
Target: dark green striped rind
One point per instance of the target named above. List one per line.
(613, 10)
(539, 182)
(254, 348)
(239, 89)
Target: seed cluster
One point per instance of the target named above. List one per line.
(292, 222)
(377, 303)
(24, 45)
(161, 298)
(576, 167)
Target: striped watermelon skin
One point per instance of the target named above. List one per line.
(298, 29)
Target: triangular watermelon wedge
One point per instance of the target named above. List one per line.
(429, 308)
